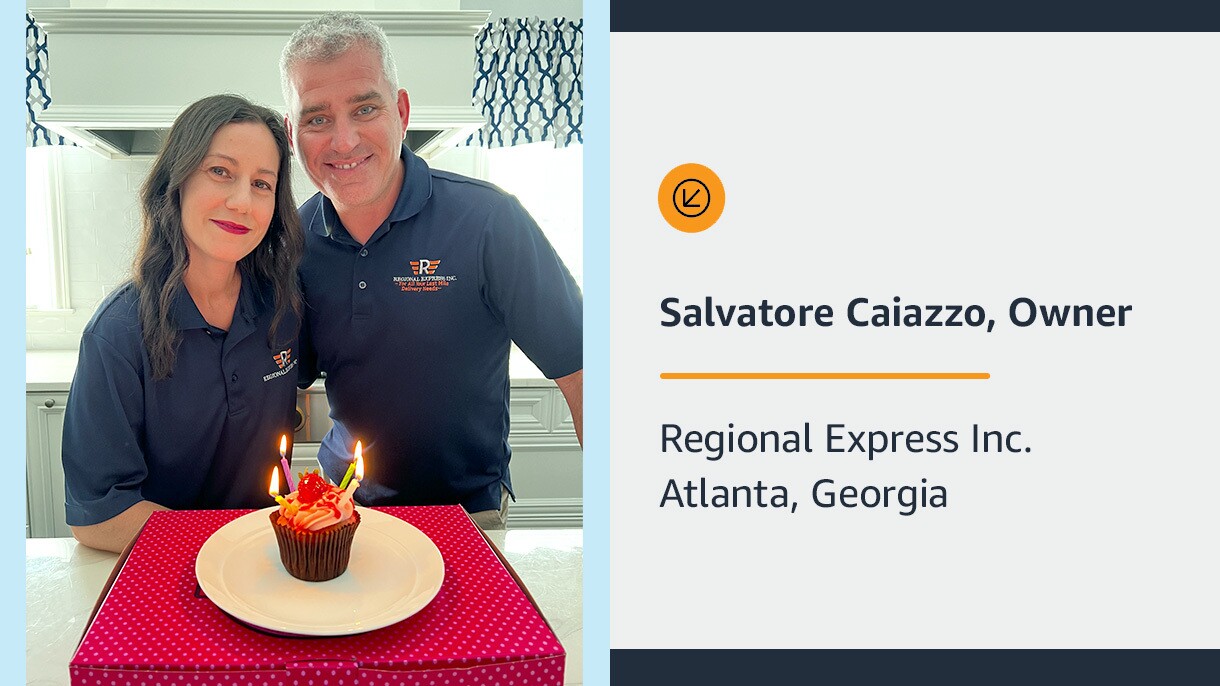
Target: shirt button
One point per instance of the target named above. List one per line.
(364, 252)
(233, 378)
(362, 285)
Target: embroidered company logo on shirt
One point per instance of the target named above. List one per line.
(423, 278)
(283, 359)
(425, 267)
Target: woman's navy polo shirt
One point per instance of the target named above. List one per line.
(413, 330)
(206, 437)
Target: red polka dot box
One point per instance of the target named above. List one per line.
(157, 626)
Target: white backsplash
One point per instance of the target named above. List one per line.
(101, 211)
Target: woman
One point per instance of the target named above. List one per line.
(186, 376)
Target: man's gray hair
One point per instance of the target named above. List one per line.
(328, 37)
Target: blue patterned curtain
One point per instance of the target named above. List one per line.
(37, 95)
(528, 82)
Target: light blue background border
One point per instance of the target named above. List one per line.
(12, 348)
(596, 127)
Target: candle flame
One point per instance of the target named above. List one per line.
(359, 464)
(274, 489)
(283, 444)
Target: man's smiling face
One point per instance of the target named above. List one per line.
(347, 124)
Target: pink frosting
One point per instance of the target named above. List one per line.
(333, 507)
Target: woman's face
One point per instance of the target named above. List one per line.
(228, 202)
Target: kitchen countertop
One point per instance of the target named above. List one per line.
(64, 578)
(50, 371)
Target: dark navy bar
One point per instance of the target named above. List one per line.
(915, 15)
(637, 667)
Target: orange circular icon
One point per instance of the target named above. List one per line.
(691, 197)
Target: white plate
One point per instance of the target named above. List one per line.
(394, 572)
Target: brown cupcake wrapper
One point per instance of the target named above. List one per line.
(315, 555)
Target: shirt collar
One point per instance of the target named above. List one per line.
(185, 314)
(414, 194)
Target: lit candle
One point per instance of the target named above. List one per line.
(351, 488)
(351, 468)
(274, 489)
(284, 463)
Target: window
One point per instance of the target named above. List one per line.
(549, 182)
(46, 273)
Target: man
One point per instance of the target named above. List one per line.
(415, 282)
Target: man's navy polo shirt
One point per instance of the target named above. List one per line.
(413, 332)
(206, 437)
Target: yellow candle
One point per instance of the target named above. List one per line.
(274, 489)
(359, 464)
(351, 469)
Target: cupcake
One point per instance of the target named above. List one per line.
(314, 527)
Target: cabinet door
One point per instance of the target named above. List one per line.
(546, 462)
(44, 466)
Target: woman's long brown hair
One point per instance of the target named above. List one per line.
(162, 258)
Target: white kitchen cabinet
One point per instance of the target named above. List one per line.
(546, 462)
(44, 470)
(547, 459)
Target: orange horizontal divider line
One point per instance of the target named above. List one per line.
(826, 375)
